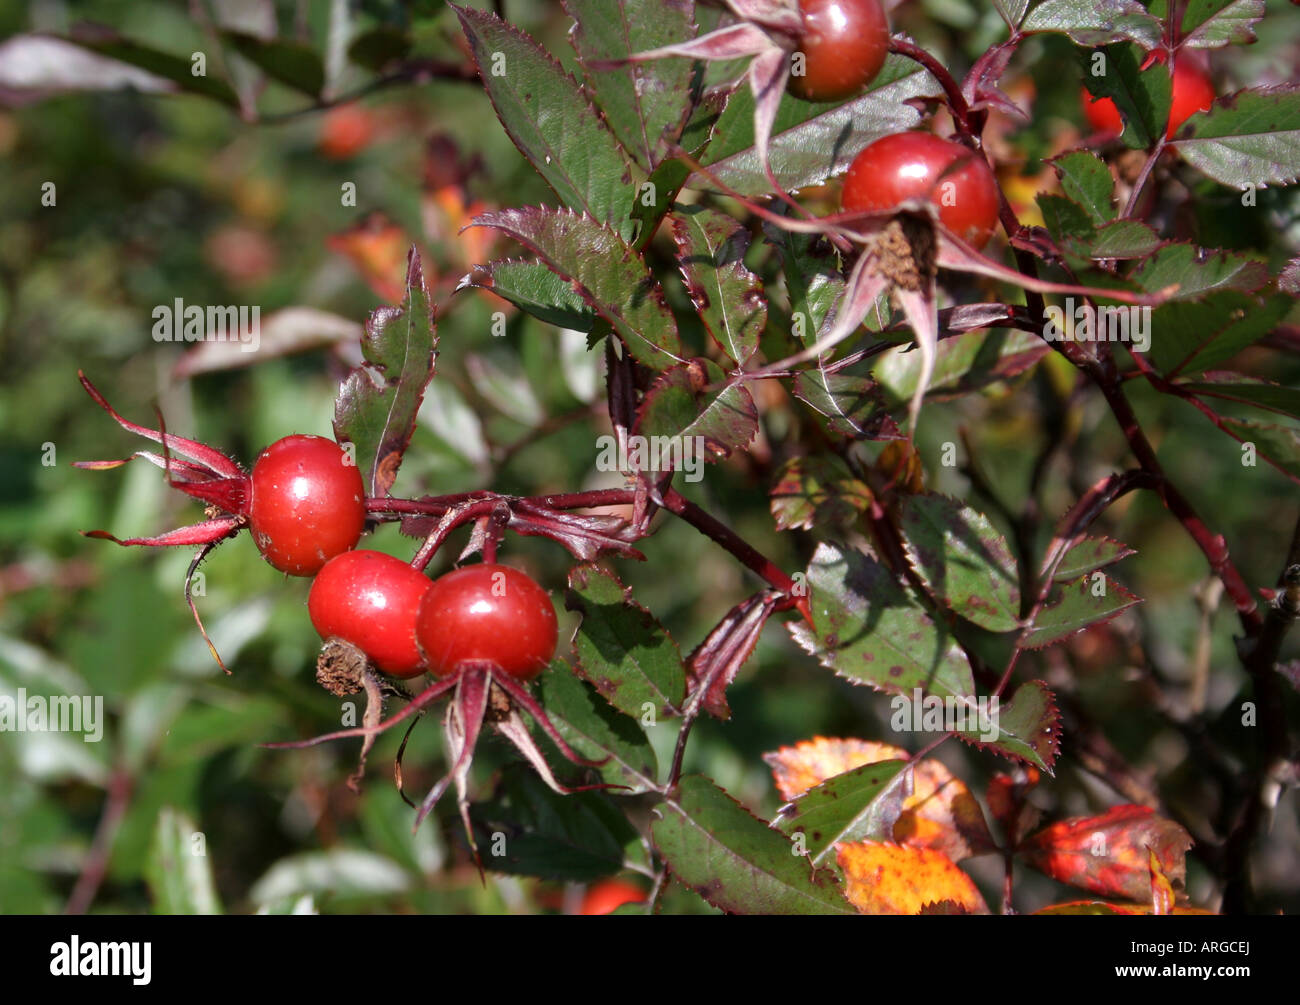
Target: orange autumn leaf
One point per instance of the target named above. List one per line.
(942, 814)
(377, 248)
(447, 207)
(810, 762)
(885, 878)
(939, 812)
(1108, 855)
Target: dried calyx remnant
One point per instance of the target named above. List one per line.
(905, 252)
(341, 667)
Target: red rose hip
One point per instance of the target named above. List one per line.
(1192, 93)
(843, 44)
(371, 600)
(307, 503)
(487, 613)
(922, 166)
(609, 895)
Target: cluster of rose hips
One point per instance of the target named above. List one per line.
(305, 505)
(481, 631)
(307, 511)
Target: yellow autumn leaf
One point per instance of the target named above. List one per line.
(885, 878)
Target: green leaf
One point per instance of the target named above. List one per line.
(962, 560)
(813, 280)
(377, 404)
(1196, 336)
(1088, 22)
(1086, 180)
(596, 730)
(1012, 11)
(1280, 445)
(656, 198)
(1078, 606)
(869, 631)
(531, 831)
(1196, 273)
(179, 871)
(379, 46)
(179, 70)
(620, 647)
(536, 290)
(291, 63)
(1141, 96)
(547, 115)
(851, 406)
(692, 401)
(962, 363)
(1210, 24)
(642, 102)
(714, 846)
(1089, 554)
(607, 273)
(1064, 217)
(711, 250)
(1029, 727)
(1123, 239)
(812, 142)
(1235, 387)
(846, 807)
(818, 490)
(1248, 138)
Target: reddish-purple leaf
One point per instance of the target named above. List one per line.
(377, 403)
(818, 490)
(1028, 726)
(715, 662)
(1090, 553)
(215, 461)
(198, 533)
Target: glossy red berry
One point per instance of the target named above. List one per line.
(843, 46)
(371, 599)
(1192, 93)
(1101, 113)
(609, 895)
(920, 165)
(488, 613)
(307, 503)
